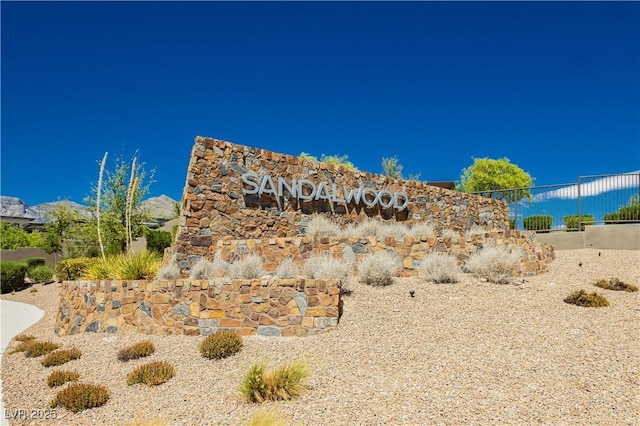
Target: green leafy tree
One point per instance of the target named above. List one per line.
(38, 239)
(490, 176)
(12, 237)
(392, 167)
(176, 210)
(121, 218)
(69, 233)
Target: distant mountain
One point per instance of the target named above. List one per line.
(15, 207)
(41, 211)
(161, 207)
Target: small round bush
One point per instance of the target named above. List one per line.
(24, 338)
(495, 264)
(40, 274)
(320, 226)
(439, 268)
(60, 377)
(81, 396)
(280, 383)
(61, 357)
(326, 267)
(616, 285)
(247, 268)
(287, 269)
(221, 344)
(151, 374)
(36, 349)
(138, 350)
(589, 300)
(170, 271)
(378, 269)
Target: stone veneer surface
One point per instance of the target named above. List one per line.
(214, 206)
(269, 307)
(535, 256)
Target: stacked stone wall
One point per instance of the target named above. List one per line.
(269, 307)
(535, 256)
(214, 203)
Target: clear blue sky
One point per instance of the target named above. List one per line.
(554, 86)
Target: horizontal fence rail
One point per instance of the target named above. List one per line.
(592, 200)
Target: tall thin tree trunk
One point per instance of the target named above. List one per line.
(102, 164)
(128, 207)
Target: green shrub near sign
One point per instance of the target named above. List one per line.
(538, 223)
(12, 276)
(571, 222)
(628, 214)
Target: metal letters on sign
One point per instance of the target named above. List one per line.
(304, 189)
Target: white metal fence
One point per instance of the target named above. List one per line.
(592, 200)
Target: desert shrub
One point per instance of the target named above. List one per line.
(249, 267)
(270, 417)
(282, 382)
(338, 160)
(392, 230)
(422, 230)
(40, 274)
(74, 268)
(24, 338)
(170, 271)
(512, 223)
(590, 300)
(32, 262)
(137, 350)
(629, 214)
(138, 265)
(12, 276)
(34, 349)
(348, 284)
(102, 269)
(537, 223)
(60, 377)
(571, 222)
(287, 269)
(221, 344)
(320, 226)
(203, 270)
(366, 228)
(450, 233)
(22, 347)
(496, 264)
(615, 284)
(81, 396)
(158, 240)
(151, 374)
(60, 357)
(439, 268)
(326, 267)
(378, 269)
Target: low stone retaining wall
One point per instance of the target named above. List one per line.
(268, 307)
(536, 256)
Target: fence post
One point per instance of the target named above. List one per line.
(515, 208)
(579, 216)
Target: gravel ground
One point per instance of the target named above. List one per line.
(466, 353)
